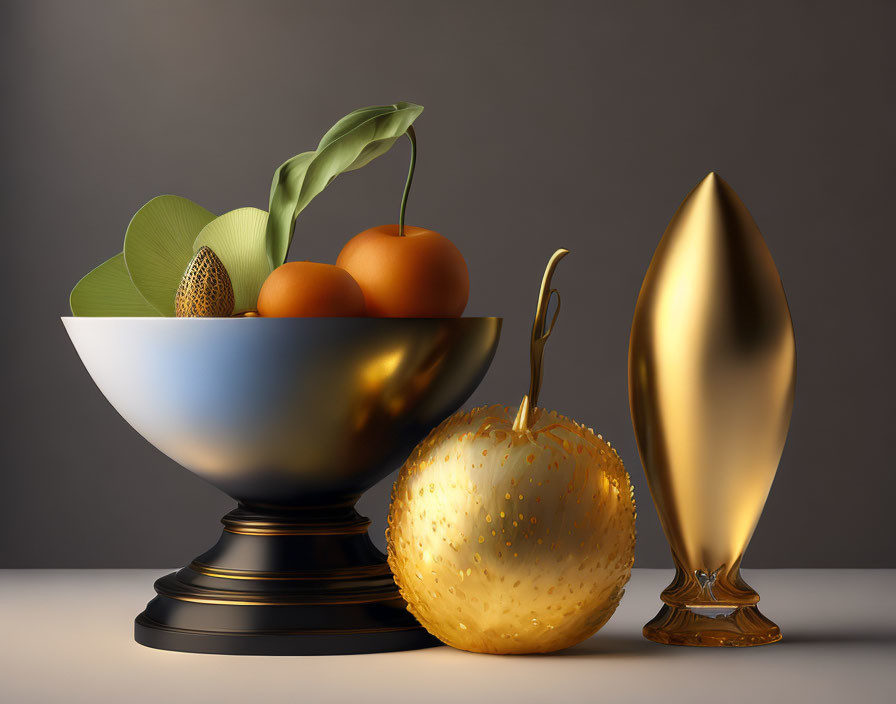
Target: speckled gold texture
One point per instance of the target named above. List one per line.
(206, 290)
(512, 542)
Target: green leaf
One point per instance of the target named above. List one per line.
(354, 141)
(158, 246)
(237, 238)
(359, 117)
(109, 291)
(295, 165)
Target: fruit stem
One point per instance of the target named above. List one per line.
(540, 335)
(407, 186)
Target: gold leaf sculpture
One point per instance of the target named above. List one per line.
(712, 366)
(513, 530)
(205, 290)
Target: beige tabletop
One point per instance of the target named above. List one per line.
(67, 637)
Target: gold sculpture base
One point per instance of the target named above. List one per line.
(716, 609)
(732, 627)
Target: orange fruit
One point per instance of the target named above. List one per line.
(420, 274)
(310, 290)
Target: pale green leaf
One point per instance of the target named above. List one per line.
(355, 140)
(296, 164)
(237, 238)
(357, 118)
(109, 291)
(158, 246)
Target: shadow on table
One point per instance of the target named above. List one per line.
(798, 637)
(610, 646)
(622, 646)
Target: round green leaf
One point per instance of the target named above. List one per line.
(237, 238)
(158, 246)
(109, 291)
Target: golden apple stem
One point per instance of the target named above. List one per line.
(539, 338)
(407, 186)
(521, 422)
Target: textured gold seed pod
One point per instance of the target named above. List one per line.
(205, 290)
(512, 531)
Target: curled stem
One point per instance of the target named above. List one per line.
(407, 186)
(540, 336)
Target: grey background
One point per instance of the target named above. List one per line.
(546, 124)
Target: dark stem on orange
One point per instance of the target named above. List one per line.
(407, 186)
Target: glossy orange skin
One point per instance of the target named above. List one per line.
(419, 275)
(310, 290)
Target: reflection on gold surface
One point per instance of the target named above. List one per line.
(377, 371)
(395, 381)
(711, 380)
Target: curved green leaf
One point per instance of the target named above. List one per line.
(109, 291)
(158, 246)
(354, 141)
(296, 165)
(359, 117)
(237, 238)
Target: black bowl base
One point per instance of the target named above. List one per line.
(283, 582)
(155, 635)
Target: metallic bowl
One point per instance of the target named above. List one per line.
(283, 411)
(294, 418)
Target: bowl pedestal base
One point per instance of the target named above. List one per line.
(283, 582)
